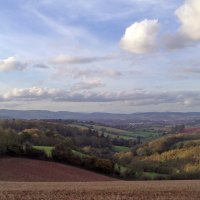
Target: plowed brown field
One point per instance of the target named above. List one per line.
(27, 170)
(68, 184)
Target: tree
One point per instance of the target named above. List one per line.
(62, 152)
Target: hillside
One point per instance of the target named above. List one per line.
(27, 170)
(174, 156)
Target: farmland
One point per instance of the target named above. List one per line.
(143, 190)
(46, 149)
(42, 180)
(120, 149)
(153, 157)
(116, 132)
(27, 170)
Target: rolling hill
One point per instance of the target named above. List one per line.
(44, 114)
(27, 170)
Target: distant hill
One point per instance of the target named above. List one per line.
(149, 116)
(27, 170)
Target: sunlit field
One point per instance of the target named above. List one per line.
(143, 190)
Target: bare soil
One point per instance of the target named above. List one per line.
(24, 179)
(27, 170)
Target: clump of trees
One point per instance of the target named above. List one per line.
(63, 153)
(12, 144)
(172, 157)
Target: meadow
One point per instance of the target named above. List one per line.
(116, 132)
(46, 149)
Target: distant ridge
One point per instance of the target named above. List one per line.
(97, 116)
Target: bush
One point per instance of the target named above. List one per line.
(186, 176)
(104, 166)
(62, 153)
(36, 154)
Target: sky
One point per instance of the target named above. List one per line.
(119, 56)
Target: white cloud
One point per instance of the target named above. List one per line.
(79, 72)
(40, 66)
(33, 93)
(189, 16)
(135, 98)
(140, 37)
(87, 85)
(188, 33)
(66, 59)
(11, 64)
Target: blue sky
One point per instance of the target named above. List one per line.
(112, 56)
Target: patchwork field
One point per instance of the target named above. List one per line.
(116, 132)
(118, 190)
(26, 170)
(192, 130)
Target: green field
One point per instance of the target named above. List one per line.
(120, 149)
(112, 130)
(126, 134)
(46, 149)
(79, 126)
(80, 154)
(122, 170)
(115, 132)
(146, 134)
(153, 175)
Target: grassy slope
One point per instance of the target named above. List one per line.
(113, 132)
(80, 154)
(153, 175)
(120, 148)
(81, 127)
(46, 149)
(126, 134)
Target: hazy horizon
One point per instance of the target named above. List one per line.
(120, 113)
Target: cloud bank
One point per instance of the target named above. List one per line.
(87, 85)
(134, 98)
(79, 72)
